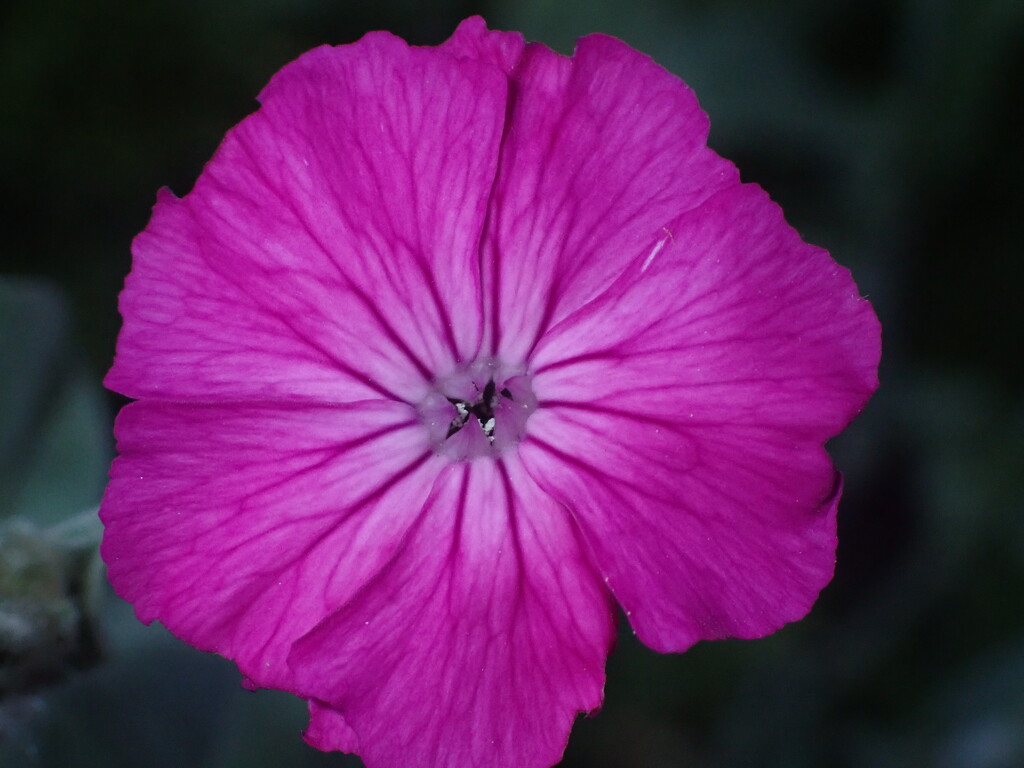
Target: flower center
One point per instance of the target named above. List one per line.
(483, 409)
(480, 410)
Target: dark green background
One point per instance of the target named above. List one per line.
(891, 132)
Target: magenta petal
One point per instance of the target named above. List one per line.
(682, 415)
(473, 40)
(240, 527)
(329, 250)
(600, 151)
(479, 644)
(328, 730)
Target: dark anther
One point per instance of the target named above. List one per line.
(488, 395)
(460, 420)
(483, 409)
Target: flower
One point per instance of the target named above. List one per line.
(450, 350)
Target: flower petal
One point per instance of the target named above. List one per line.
(481, 641)
(682, 414)
(329, 251)
(600, 151)
(473, 40)
(328, 730)
(240, 527)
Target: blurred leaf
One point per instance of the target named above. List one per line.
(157, 707)
(976, 721)
(54, 450)
(33, 341)
(71, 457)
(47, 620)
(54, 428)
(264, 728)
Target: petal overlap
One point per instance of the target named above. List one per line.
(328, 730)
(490, 610)
(682, 416)
(240, 527)
(473, 40)
(335, 232)
(600, 151)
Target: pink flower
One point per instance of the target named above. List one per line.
(449, 351)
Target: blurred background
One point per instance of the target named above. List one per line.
(892, 133)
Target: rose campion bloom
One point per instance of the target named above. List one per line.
(449, 352)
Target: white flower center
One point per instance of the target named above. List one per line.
(480, 410)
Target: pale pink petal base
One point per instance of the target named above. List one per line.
(479, 643)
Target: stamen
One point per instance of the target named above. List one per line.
(499, 397)
(483, 409)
